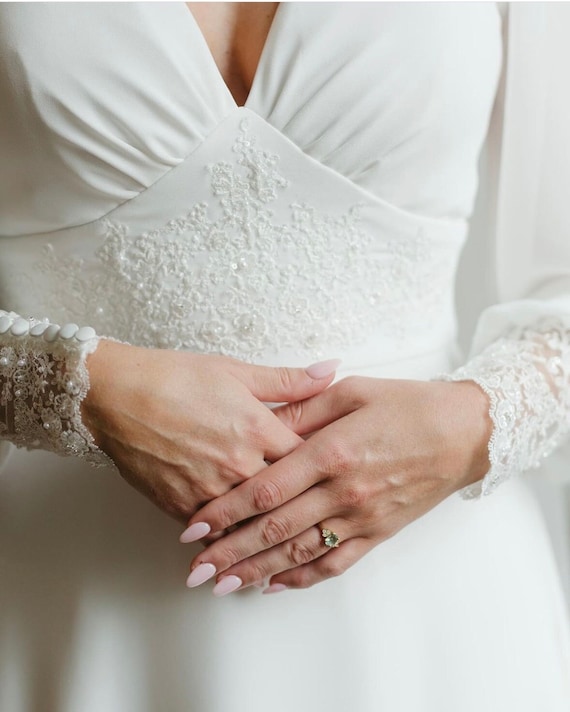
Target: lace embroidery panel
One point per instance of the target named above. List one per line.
(230, 277)
(527, 378)
(42, 385)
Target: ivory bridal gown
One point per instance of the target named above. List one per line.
(322, 219)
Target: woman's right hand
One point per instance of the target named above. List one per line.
(184, 428)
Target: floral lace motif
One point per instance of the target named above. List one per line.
(230, 277)
(42, 386)
(527, 378)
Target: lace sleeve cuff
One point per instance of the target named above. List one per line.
(43, 380)
(526, 376)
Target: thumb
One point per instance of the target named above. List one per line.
(285, 385)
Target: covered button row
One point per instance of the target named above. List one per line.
(50, 332)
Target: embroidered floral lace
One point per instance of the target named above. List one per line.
(43, 379)
(527, 378)
(241, 275)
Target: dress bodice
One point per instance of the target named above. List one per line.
(105, 98)
(291, 227)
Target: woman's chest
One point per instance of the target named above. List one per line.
(235, 33)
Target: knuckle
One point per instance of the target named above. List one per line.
(355, 495)
(351, 390)
(284, 378)
(255, 572)
(299, 578)
(230, 556)
(331, 567)
(294, 412)
(341, 458)
(173, 500)
(266, 496)
(300, 554)
(273, 532)
(222, 516)
(255, 427)
(239, 464)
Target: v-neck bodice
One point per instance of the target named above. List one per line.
(277, 10)
(106, 98)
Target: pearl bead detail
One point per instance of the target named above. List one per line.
(5, 324)
(38, 329)
(68, 331)
(20, 327)
(85, 333)
(51, 333)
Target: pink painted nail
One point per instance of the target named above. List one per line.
(322, 369)
(275, 588)
(194, 532)
(201, 573)
(227, 584)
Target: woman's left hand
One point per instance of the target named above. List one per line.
(380, 453)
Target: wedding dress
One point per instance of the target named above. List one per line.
(323, 219)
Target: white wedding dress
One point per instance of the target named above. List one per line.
(323, 219)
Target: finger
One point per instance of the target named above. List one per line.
(299, 550)
(277, 440)
(281, 384)
(312, 414)
(335, 563)
(269, 489)
(269, 530)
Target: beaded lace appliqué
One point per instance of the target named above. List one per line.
(527, 378)
(42, 386)
(231, 278)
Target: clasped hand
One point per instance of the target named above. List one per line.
(377, 455)
(184, 428)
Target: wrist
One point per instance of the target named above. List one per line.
(101, 365)
(471, 431)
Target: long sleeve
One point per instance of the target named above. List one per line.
(520, 353)
(43, 380)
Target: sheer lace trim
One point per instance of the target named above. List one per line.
(42, 385)
(526, 376)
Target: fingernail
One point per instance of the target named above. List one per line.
(201, 573)
(322, 369)
(275, 588)
(194, 532)
(227, 585)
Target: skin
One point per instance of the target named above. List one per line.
(235, 33)
(184, 428)
(379, 454)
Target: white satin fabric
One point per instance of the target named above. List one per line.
(132, 177)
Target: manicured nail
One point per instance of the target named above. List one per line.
(275, 588)
(201, 573)
(227, 584)
(194, 532)
(322, 369)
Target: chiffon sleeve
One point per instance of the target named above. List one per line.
(520, 353)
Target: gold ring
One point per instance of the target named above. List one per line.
(331, 539)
